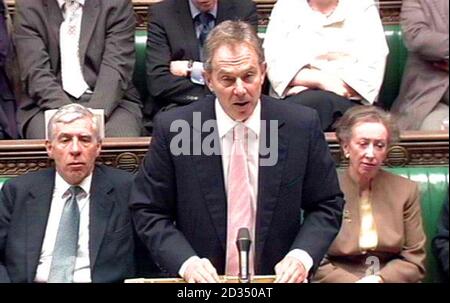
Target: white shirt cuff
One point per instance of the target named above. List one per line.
(303, 257)
(197, 73)
(370, 279)
(185, 265)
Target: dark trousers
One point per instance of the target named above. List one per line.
(328, 105)
(8, 124)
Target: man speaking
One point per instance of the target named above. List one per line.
(189, 203)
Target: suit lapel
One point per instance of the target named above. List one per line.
(211, 178)
(101, 205)
(55, 18)
(37, 212)
(189, 36)
(224, 11)
(91, 11)
(269, 178)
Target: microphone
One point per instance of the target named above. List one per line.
(243, 243)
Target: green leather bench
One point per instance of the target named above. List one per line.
(389, 91)
(433, 184)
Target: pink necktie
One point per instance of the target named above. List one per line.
(240, 208)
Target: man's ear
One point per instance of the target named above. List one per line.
(263, 67)
(49, 148)
(99, 148)
(207, 78)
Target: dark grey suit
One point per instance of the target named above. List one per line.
(189, 190)
(107, 57)
(24, 208)
(171, 36)
(8, 78)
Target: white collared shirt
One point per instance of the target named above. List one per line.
(62, 2)
(82, 272)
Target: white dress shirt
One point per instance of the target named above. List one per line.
(82, 272)
(297, 36)
(225, 125)
(80, 10)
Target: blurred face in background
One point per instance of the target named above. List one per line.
(204, 5)
(367, 149)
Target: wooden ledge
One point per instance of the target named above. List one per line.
(21, 156)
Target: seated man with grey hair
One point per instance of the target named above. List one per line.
(70, 223)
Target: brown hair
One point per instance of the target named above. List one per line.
(365, 113)
(231, 33)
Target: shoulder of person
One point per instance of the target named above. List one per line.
(165, 118)
(396, 180)
(243, 3)
(115, 175)
(166, 6)
(30, 179)
(289, 111)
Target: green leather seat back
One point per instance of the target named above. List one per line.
(2, 181)
(394, 67)
(139, 77)
(433, 184)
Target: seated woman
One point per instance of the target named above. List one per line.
(381, 237)
(326, 54)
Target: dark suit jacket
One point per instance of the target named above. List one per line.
(179, 203)
(107, 55)
(24, 209)
(172, 36)
(440, 241)
(10, 70)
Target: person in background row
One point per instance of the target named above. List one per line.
(326, 54)
(440, 241)
(422, 103)
(8, 72)
(188, 206)
(177, 30)
(77, 51)
(382, 237)
(70, 223)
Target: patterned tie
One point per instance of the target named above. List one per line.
(72, 76)
(368, 237)
(205, 21)
(66, 244)
(240, 207)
